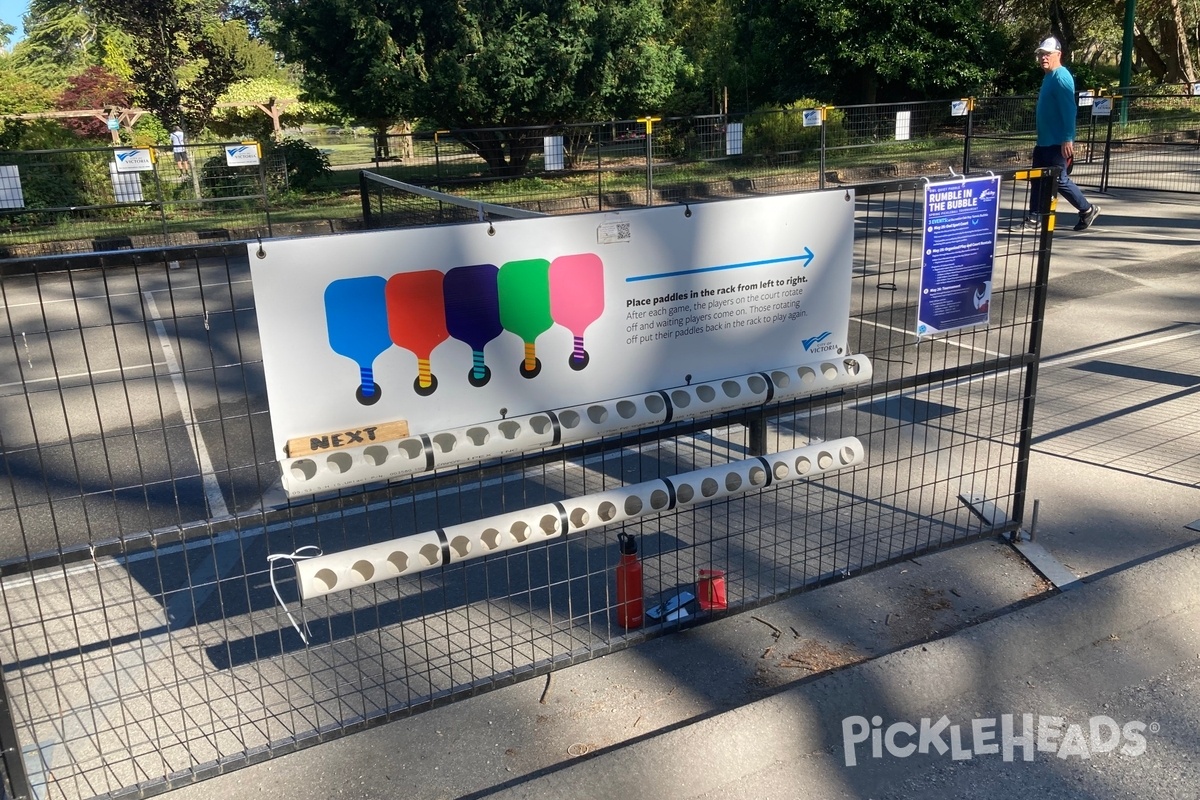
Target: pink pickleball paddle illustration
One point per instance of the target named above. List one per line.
(577, 298)
(416, 318)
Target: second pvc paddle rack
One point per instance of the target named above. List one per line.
(389, 460)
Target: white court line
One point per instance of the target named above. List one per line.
(152, 364)
(212, 489)
(1056, 361)
(946, 341)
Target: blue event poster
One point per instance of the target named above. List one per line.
(959, 251)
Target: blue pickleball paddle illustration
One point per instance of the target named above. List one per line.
(357, 322)
(473, 313)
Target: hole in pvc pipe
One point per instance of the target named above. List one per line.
(706, 393)
(757, 384)
(363, 570)
(445, 442)
(431, 554)
(326, 578)
(829, 371)
(633, 505)
(579, 517)
(709, 487)
(509, 429)
(569, 418)
(824, 459)
(733, 481)
(304, 469)
(758, 476)
(478, 436)
(684, 492)
(540, 424)
(846, 455)
(627, 409)
(461, 545)
(340, 462)
(607, 511)
(658, 499)
(375, 455)
(654, 403)
(490, 538)
(520, 531)
(399, 560)
(781, 379)
(549, 524)
(731, 388)
(411, 448)
(597, 414)
(852, 366)
(807, 375)
(681, 398)
(781, 470)
(803, 465)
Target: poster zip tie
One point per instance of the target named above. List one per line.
(293, 557)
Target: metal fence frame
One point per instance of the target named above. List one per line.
(143, 649)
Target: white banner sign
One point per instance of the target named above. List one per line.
(552, 150)
(733, 139)
(127, 186)
(1086, 98)
(903, 126)
(241, 155)
(133, 160)
(958, 108)
(1102, 107)
(812, 117)
(11, 195)
(451, 325)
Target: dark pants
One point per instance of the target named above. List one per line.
(1051, 156)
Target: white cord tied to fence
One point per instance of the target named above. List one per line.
(293, 557)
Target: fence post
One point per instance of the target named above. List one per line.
(966, 165)
(10, 748)
(364, 191)
(649, 157)
(1107, 154)
(599, 168)
(266, 195)
(821, 167)
(1047, 189)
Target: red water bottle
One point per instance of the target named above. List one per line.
(629, 583)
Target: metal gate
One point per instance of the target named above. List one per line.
(148, 641)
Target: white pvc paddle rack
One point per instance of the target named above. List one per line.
(361, 566)
(385, 461)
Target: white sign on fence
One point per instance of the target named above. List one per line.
(903, 126)
(1086, 98)
(242, 155)
(136, 159)
(812, 117)
(447, 326)
(11, 195)
(552, 153)
(127, 186)
(1102, 107)
(958, 108)
(733, 139)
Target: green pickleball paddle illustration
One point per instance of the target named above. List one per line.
(524, 288)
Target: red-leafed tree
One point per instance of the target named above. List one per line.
(95, 87)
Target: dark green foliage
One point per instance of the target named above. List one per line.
(305, 163)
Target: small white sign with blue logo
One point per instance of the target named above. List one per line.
(812, 117)
(241, 155)
(1102, 107)
(133, 160)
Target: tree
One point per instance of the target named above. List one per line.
(482, 63)
(178, 62)
(910, 49)
(95, 87)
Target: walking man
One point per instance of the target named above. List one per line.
(179, 148)
(1056, 136)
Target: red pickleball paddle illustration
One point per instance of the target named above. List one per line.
(473, 313)
(416, 317)
(577, 298)
(356, 318)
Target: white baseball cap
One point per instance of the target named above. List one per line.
(1049, 45)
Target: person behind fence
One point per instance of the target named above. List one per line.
(178, 147)
(1056, 136)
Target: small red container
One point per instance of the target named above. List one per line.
(710, 589)
(629, 584)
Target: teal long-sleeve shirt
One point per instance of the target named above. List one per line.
(1056, 108)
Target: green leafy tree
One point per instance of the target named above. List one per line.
(856, 53)
(482, 63)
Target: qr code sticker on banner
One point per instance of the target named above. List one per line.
(613, 233)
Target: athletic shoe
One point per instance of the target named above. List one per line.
(1027, 225)
(1086, 218)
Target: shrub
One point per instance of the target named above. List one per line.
(305, 164)
(772, 130)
